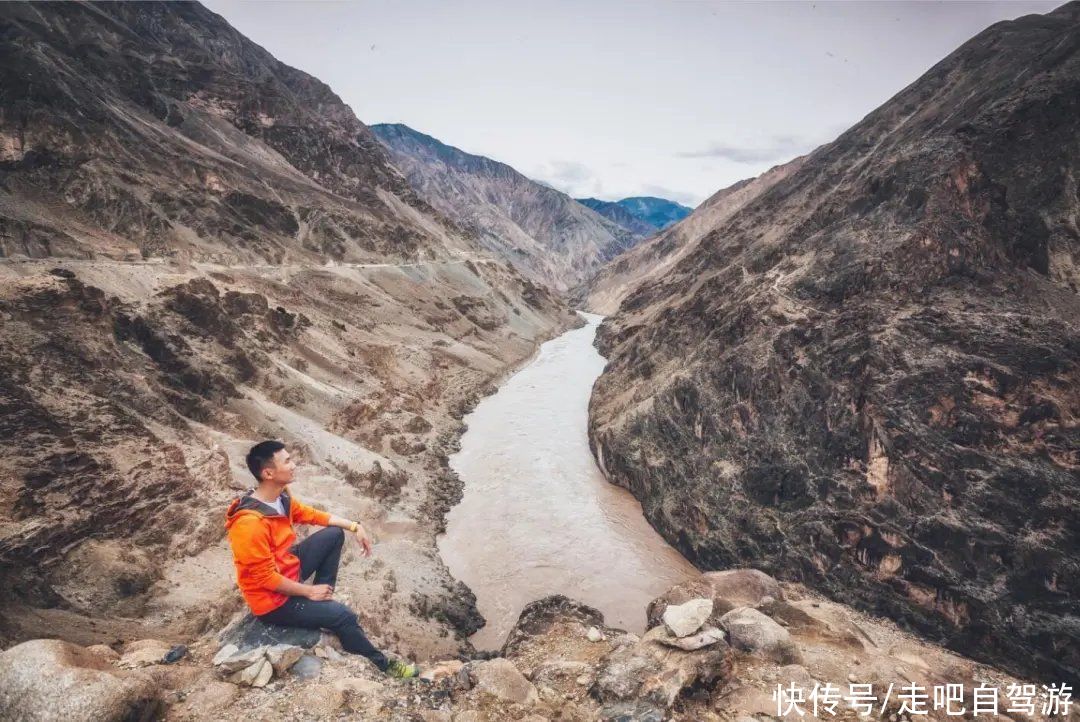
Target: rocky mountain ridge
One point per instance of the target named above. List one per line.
(201, 247)
(865, 379)
(650, 259)
(547, 235)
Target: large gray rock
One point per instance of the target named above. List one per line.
(682, 620)
(727, 589)
(47, 679)
(283, 656)
(642, 681)
(500, 678)
(751, 631)
(255, 675)
(742, 587)
(240, 660)
(705, 637)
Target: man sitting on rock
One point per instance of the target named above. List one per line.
(271, 567)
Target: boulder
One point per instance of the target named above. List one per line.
(249, 633)
(500, 678)
(631, 712)
(538, 617)
(255, 675)
(682, 620)
(47, 679)
(642, 681)
(679, 594)
(224, 653)
(742, 587)
(706, 637)
(283, 656)
(728, 589)
(751, 631)
(144, 653)
(307, 667)
(624, 674)
(240, 660)
(175, 654)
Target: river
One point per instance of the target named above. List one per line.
(537, 516)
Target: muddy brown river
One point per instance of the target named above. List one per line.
(537, 516)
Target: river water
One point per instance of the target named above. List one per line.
(537, 516)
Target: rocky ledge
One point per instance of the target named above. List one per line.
(717, 648)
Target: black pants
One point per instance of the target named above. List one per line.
(320, 554)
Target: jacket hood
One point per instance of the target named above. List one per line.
(248, 504)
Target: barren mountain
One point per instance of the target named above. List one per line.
(546, 234)
(649, 260)
(201, 247)
(866, 378)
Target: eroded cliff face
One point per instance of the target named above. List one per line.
(201, 247)
(158, 130)
(866, 379)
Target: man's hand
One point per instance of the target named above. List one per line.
(320, 592)
(364, 540)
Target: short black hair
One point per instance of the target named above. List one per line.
(262, 454)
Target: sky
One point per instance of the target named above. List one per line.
(618, 98)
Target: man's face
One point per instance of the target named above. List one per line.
(282, 469)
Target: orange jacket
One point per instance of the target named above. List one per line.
(262, 542)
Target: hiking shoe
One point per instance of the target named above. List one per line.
(401, 670)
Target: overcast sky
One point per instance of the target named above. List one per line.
(614, 98)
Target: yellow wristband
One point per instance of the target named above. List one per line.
(354, 527)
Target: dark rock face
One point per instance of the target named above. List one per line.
(546, 234)
(868, 378)
(251, 633)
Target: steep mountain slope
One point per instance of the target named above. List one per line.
(547, 235)
(659, 212)
(616, 213)
(867, 378)
(201, 247)
(649, 260)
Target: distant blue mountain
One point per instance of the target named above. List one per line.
(658, 211)
(614, 212)
(642, 214)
